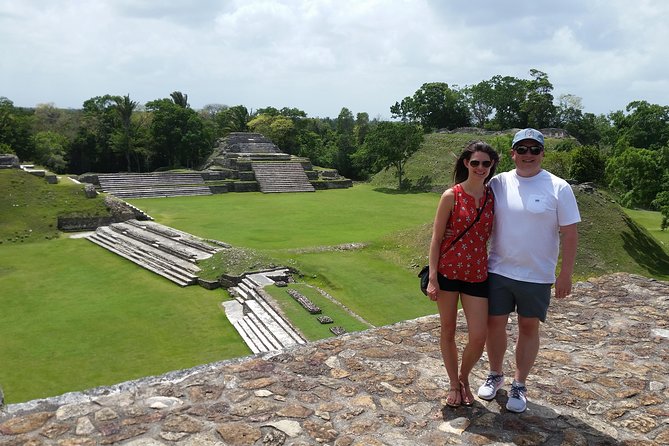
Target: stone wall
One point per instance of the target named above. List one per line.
(74, 224)
(9, 161)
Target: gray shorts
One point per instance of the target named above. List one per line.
(528, 299)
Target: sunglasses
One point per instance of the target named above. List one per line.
(475, 163)
(522, 150)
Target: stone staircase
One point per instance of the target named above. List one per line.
(261, 327)
(153, 185)
(281, 176)
(158, 248)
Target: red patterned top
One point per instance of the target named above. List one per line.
(468, 259)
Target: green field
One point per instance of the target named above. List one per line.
(76, 316)
(652, 221)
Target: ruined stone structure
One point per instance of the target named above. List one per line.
(9, 161)
(153, 185)
(165, 251)
(241, 162)
(258, 163)
(255, 317)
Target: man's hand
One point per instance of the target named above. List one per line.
(563, 286)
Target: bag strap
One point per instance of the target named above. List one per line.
(478, 215)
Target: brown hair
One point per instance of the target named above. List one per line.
(461, 173)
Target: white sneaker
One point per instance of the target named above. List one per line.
(517, 398)
(489, 388)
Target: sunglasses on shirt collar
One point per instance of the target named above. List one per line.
(475, 163)
(522, 150)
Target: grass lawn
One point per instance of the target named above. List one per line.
(307, 323)
(29, 206)
(381, 292)
(296, 220)
(75, 316)
(652, 221)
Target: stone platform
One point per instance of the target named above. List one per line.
(601, 378)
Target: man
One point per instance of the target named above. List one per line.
(535, 213)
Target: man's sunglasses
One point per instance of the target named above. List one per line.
(475, 163)
(522, 150)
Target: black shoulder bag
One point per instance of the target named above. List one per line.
(424, 273)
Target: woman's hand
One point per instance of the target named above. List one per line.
(432, 289)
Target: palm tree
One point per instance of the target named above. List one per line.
(180, 99)
(124, 108)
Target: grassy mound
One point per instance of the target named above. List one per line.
(30, 206)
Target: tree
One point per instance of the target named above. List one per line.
(233, 119)
(405, 110)
(180, 99)
(277, 128)
(645, 125)
(346, 144)
(587, 164)
(588, 129)
(480, 100)
(390, 145)
(661, 203)
(569, 110)
(292, 113)
(123, 137)
(91, 149)
(538, 105)
(633, 174)
(50, 150)
(317, 140)
(435, 105)
(15, 130)
(361, 128)
(48, 118)
(180, 138)
(508, 97)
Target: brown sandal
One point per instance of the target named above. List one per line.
(467, 399)
(457, 400)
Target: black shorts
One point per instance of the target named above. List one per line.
(478, 289)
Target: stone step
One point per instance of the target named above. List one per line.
(270, 323)
(177, 247)
(281, 176)
(265, 336)
(240, 293)
(296, 338)
(153, 185)
(143, 251)
(175, 234)
(163, 193)
(249, 338)
(163, 250)
(179, 280)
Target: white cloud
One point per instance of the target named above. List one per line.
(322, 55)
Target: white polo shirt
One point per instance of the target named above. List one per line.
(525, 240)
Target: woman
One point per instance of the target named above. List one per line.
(459, 263)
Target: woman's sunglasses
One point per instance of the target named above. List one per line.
(475, 163)
(522, 150)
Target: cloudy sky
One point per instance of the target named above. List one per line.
(322, 55)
